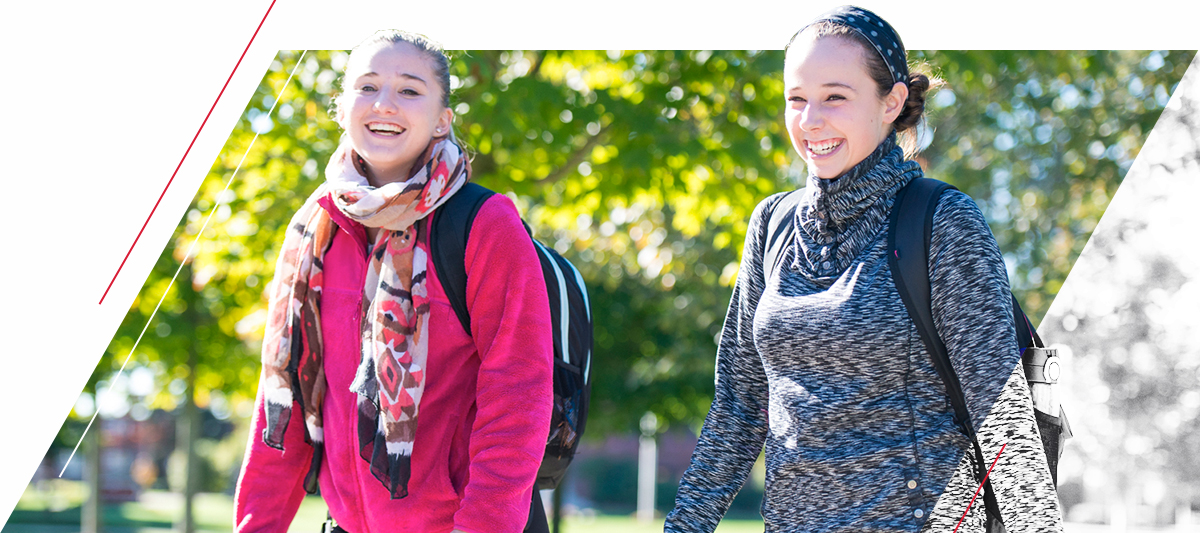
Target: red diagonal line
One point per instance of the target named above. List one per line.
(985, 476)
(186, 152)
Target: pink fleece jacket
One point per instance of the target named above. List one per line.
(484, 415)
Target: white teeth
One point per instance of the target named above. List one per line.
(384, 128)
(823, 147)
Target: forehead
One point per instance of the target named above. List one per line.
(819, 60)
(389, 58)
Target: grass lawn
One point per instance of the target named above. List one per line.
(54, 507)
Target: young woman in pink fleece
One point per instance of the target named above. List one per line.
(370, 388)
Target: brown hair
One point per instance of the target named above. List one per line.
(918, 82)
(432, 50)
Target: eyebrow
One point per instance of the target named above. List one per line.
(402, 74)
(838, 84)
(833, 84)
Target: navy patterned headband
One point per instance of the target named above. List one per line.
(876, 31)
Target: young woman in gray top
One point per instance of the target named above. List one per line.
(819, 360)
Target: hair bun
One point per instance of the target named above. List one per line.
(914, 107)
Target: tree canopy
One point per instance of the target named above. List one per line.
(643, 167)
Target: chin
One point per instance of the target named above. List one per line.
(825, 172)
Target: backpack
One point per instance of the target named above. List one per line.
(908, 253)
(570, 317)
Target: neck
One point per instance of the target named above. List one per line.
(379, 176)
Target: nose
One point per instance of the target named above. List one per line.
(384, 102)
(810, 118)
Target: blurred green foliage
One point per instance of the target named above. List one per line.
(1128, 320)
(1041, 140)
(643, 169)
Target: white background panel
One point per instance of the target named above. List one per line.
(102, 100)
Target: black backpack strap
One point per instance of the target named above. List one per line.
(1027, 337)
(780, 229)
(910, 232)
(449, 231)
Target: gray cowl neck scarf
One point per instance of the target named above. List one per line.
(839, 218)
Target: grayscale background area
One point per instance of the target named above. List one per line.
(1127, 316)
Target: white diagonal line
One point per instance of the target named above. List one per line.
(186, 258)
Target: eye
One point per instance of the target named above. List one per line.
(835, 97)
(796, 99)
(409, 92)
(367, 88)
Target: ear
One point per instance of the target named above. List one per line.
(445, 119)
(338, 113)
(894, 102)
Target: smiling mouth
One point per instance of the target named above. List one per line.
(824, 147)
(385, 129)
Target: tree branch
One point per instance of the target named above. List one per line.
(537, 65)
(577, 157)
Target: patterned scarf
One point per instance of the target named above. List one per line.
(395, 329)
(840, 217)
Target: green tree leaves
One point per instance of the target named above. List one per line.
(643, 167)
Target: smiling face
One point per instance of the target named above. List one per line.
(391, 107)
(835, 116)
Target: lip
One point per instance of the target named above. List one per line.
(384, 134)
(814, 155)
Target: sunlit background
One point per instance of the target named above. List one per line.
(1128, 316)
(643, 168)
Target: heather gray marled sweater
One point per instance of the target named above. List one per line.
(819, 361)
